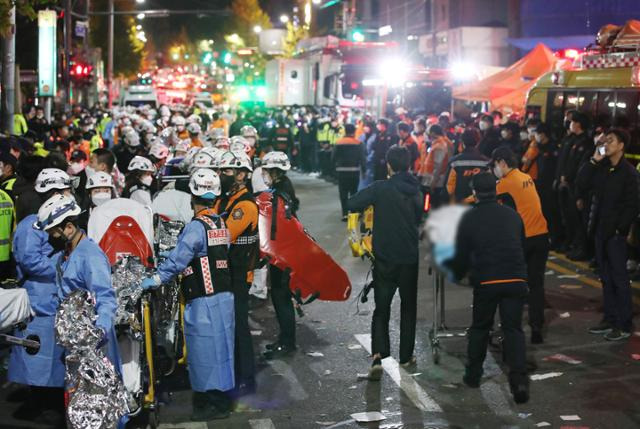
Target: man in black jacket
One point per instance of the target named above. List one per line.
(384, 140)
(615, 206)
(396, 214)
(493, 254)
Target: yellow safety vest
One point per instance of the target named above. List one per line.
(323, 133)
(95, 143)
(19, 124)
(6, 225)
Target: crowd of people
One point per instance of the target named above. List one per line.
(574, 192)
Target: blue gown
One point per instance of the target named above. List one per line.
(209, 321)
(87, 268)
(36, 268)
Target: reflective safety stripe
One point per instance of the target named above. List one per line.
(208, 221)
(6, 205)
(247, 239)
(468, 163)
(206, 275)
(5, 241)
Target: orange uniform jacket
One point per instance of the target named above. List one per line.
(518, 190)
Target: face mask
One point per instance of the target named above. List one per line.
(39, 116)
(266, 177)
(76, 168)
(524, 135)
(89, 170)
(538, 137)
(146, 180)
(484, 126)
(58, 243)
(227, 182)
(497, 172)
(504, 134)
(100, 198)
(180, 128)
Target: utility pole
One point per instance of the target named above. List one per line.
(110, 55)
(8, 74)
(67, 54)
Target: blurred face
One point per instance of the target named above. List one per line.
(612, 146)
(381, 127)
(402, 134)
(575, 127)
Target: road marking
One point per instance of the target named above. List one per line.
(261, 424)
(190, 425)
(403, 379)
(297, 392)
(492, 392)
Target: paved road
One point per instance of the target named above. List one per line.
(318, 387)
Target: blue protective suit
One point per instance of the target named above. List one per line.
(87, 268)
(209, 321)
(36, 269)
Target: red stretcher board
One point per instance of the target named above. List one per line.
(313, 271)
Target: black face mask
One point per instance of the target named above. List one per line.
(58, 243)
(227, 182)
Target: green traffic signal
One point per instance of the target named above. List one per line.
(357, 36)
(227, 58)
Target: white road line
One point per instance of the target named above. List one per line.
(296, 392)
(261, 424)
(190, 425)
(403, 379)
(492, 392)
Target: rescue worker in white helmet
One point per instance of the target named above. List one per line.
(81, 264)
(180, 124)
(194, 131)
(100, 189)
(238, 208)
(139, 181)
(44, 371)
(201, 257)
(274, 173)
(128, 146)
(250, 134)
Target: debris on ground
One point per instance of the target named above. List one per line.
(559, 357)
(536, 377)
(315, 354)
(369, 416)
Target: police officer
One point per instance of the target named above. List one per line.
(201, 256)
(274, 168)
(464, 166)
(8, 176)
(7, 216)
(517, 189)
(494, 255)
(238, 208)
(35, 264)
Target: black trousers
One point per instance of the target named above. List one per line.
(388, 277)
(551, 211)
(243, 355)
(536, 251)
(307, 156)
(509, 298)
(611, 254)
(347, 186)
(281, 298)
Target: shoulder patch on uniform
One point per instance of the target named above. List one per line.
(237, 214)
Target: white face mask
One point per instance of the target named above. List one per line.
(100, 198)
(90, 171)
(524, 135)
(484, 126)
(504, 134)
(266, 177)
(146, 180)
(497, 172)
(76, 168)
(538, 137)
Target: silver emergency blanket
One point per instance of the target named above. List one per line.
(126, 277)
(97, 396)
(168, 232)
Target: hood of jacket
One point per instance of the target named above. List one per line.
(405, 183)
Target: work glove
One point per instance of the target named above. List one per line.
(151, 282)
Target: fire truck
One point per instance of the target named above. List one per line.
(604, 83)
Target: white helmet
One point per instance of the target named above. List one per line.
(222, 143)
(131, 138)
(239, 144)
(191, 153)
(276, 159)
(203, 160)
(178, 121)
(194, 119)
(205, 183)
(194, 128)
(250, 134)
(182, 146)
(55, 210)
(235, 160)
(141, 163)
(215, 133)
(159, 151)
(100, 179)
(52, 178)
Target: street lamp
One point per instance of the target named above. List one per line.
(140, 16)
(284, 19)
(139, 1)
(257, 29)
(316, 1)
